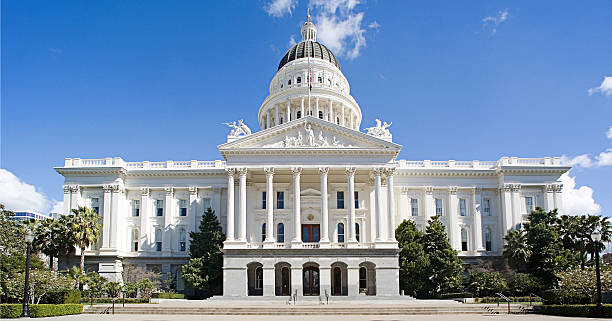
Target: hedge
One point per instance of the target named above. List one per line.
(117, 301)
(63, 297)
(159, 295)
(40, 310)
(459, 295)
(493, 299)
(575, 310)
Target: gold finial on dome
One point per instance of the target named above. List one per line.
(309, 31)
(308, 14)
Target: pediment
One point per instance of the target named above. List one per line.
(310, 192)
(309, 133)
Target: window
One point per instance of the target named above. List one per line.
(438, 206)
(206, 204)
(338, 120)
(95, 204)
(158, 240)
(320, 114)
(263, 200)
(259, 278)
(357, 231)
(281, 120)
(289, 82)
(280, 233)
(464, 240)
(339, 199)
(159, 207)
(182, 240)
(486, 207)
(280, 200)
(462, 208)
(363, 278)
(182, 207)
(340, 233)
(356, 200)
(135, 208)
(320, 80)
(299, 80)
(487, 238)
(134, 240)
(529, 204)
(263, 232)
(414, 206)
(299, 114)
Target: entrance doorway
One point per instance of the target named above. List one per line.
(282, 279)
(310, 232)
(311, 280)
(337, 288)
(285, 286)
(339, 279)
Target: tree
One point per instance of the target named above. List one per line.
(515, 249)
(525, 284)
(145, 286)
(486, 283)
(95, 285)
(413, 260)
(86, 228)
(76, 275)
(134, 274)
(444, 268)
(204, 270)
(54, 238)
(578, 283)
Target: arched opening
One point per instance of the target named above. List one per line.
(339, 278)
(367, 278)
(182, 240)
(310, 279)
(282, 279)
(255, 278)
(299, 80)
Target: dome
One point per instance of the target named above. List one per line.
(308, 48)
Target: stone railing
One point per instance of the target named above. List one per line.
(118, 162)
(504, 161)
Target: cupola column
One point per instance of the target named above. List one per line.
(342, 122)
(288, 110)
(390, 205)
(317, 107)
(276, 121)
(302, 108)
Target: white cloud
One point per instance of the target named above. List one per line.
(583, 160)
(18, 195)
(605, 158)
(278, 8)
(58, 207)
(577, 201)
(605, 88)
(292, 41)
(493, 22)
(374, 25)
(609, 133)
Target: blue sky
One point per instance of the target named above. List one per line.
(155, 80)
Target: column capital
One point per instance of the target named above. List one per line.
(269, 171)
(241, 171)
(117, 188)
(350, 171)
(296, 171)
(390, 171)
(548, 188)
(378, 171)
(516, 188)
(429, 190)
(169, 190)
(323, 171)
(67, 189)
(506, 188)
(193, 190)
(107, 188)
(145, 191)
(477, 190)
(452, 190)
(558, 188)
(230, 171)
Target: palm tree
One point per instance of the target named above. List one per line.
(86, 229)
(515, 249)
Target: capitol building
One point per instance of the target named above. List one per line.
(309, 203)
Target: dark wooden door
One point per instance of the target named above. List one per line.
(310, 232)
(337, 286)
(311, 281)
(285, 289)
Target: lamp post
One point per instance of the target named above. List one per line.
(596, 237)
(25, 313)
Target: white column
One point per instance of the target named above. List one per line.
(115, 221)
(268, 279)
(429, 208)
(167, 243)
(390, 205)
(267, 120)
(549, 197)
(342, 122)
(302, 108)
(350, 173)
(477, 224)
(506, 200)
(453, 227)
(297, 221)
(270, 207)
(324, 207)
(230, 230)
(276, 120)
(242, 219)
(106, 225)
(353, 280)
(329, 114)
(317, 107)
(516, 206)
(559, 198)
(378, 205)
(75, 191)
(288, 111)
(145, 225)
(193, 208)
(67, 196)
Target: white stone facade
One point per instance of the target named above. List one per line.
(328, 195)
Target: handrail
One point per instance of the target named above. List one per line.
(505, 298)
(531, 295)
(106, 311)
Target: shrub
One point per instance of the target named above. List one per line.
(493, 299)
(40, 310)
(575, 310)
(10, 310)
(159, 295)
(556, 296)
(486, 283)
(63, 297)
(523, 284)
(120, 300)
(458, 295)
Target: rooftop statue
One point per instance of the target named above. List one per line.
(380, 130)
(240, 129)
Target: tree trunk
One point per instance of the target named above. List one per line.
(82, 260)
(51, 263)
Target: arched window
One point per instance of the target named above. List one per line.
(281, 120)
(357, 231)
(340, 232)
(259, 278)
(320, 79)
(363, 278)
(280, 233)
(289, 82)
(338, 120)
(263, 232)
(182, 240)
(299, 80)
(487, 237)
(135, 240)
(320, 114)
(158, 240)
(464, 240)
(299, 114)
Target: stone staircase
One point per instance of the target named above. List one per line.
(332, 309)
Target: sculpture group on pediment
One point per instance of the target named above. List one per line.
(380, 130)
(240, 129)
(306, 138)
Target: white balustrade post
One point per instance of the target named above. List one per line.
(297, 221)
(350, 173)
(324, 207)
(230, 230)
(390, 205)
(270, 238)
(242, 219)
